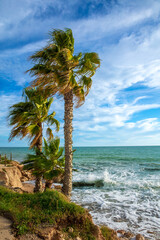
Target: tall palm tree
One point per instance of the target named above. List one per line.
(58, 70)
(28, 118)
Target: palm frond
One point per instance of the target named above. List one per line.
(49, 133)
(49, 163)
(52, 121)
(27, 117)
(86, 83)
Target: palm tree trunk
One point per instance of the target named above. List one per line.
(68, 117)
(38, 181)
(38, 184)
(39, 141)
(48, 184)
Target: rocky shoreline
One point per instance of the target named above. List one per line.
(14, 177)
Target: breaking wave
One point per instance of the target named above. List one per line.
(92, 180)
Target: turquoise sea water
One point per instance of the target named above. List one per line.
(119, 185)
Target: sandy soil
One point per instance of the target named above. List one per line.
(28, 187)
(6, 232)
(5, 229)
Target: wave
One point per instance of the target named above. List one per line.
(152, 169)
(96, 183)
(122, 180)
(93, 180)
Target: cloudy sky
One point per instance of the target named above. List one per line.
(123, 106)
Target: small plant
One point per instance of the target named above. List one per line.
(4, 160)
(47, 164)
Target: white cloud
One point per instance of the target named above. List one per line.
(28, 48)
(145, 125)
(6, 101)
(118, 19)
(117, 116)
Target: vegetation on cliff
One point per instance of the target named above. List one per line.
(32, 212)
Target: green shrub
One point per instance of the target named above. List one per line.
(108, 233)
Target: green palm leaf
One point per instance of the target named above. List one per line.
(27, 117)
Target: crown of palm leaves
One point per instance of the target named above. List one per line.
(57, 69)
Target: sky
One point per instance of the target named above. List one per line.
(123, 106)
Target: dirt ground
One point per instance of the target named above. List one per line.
(5, 229)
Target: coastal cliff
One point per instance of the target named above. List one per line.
(49, 215)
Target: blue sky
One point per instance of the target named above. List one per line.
(123, 106)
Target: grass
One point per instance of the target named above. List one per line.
(51, 208)
(108, 233)
(30, 212)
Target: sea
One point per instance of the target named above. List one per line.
(120, 186)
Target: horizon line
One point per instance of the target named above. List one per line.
(94, 146)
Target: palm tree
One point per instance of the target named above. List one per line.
(55, 161)
(28, 118)
(58, 70)
(35, 163)
(48, 164)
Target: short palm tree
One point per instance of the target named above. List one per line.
(28, 118)
(55, 161)
(48, 164)
(35, 163)
(58, 70)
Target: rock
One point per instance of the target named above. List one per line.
(13, 176)
(10, 176)
(150, 232)
(18, 190)
(4, 180)
(57, 187)
(122, 232)
(128, 235)
(70, 230)
(50, 233)
(46, 233)
(28, 237)
(24, 179)
(139, 237)
(17, 164)
(28, 187)
(78, 238)
(27, 176)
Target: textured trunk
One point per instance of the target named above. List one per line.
(48, 184)
(39, 141)
(68, 117)
(38, 185)
(38, 181)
